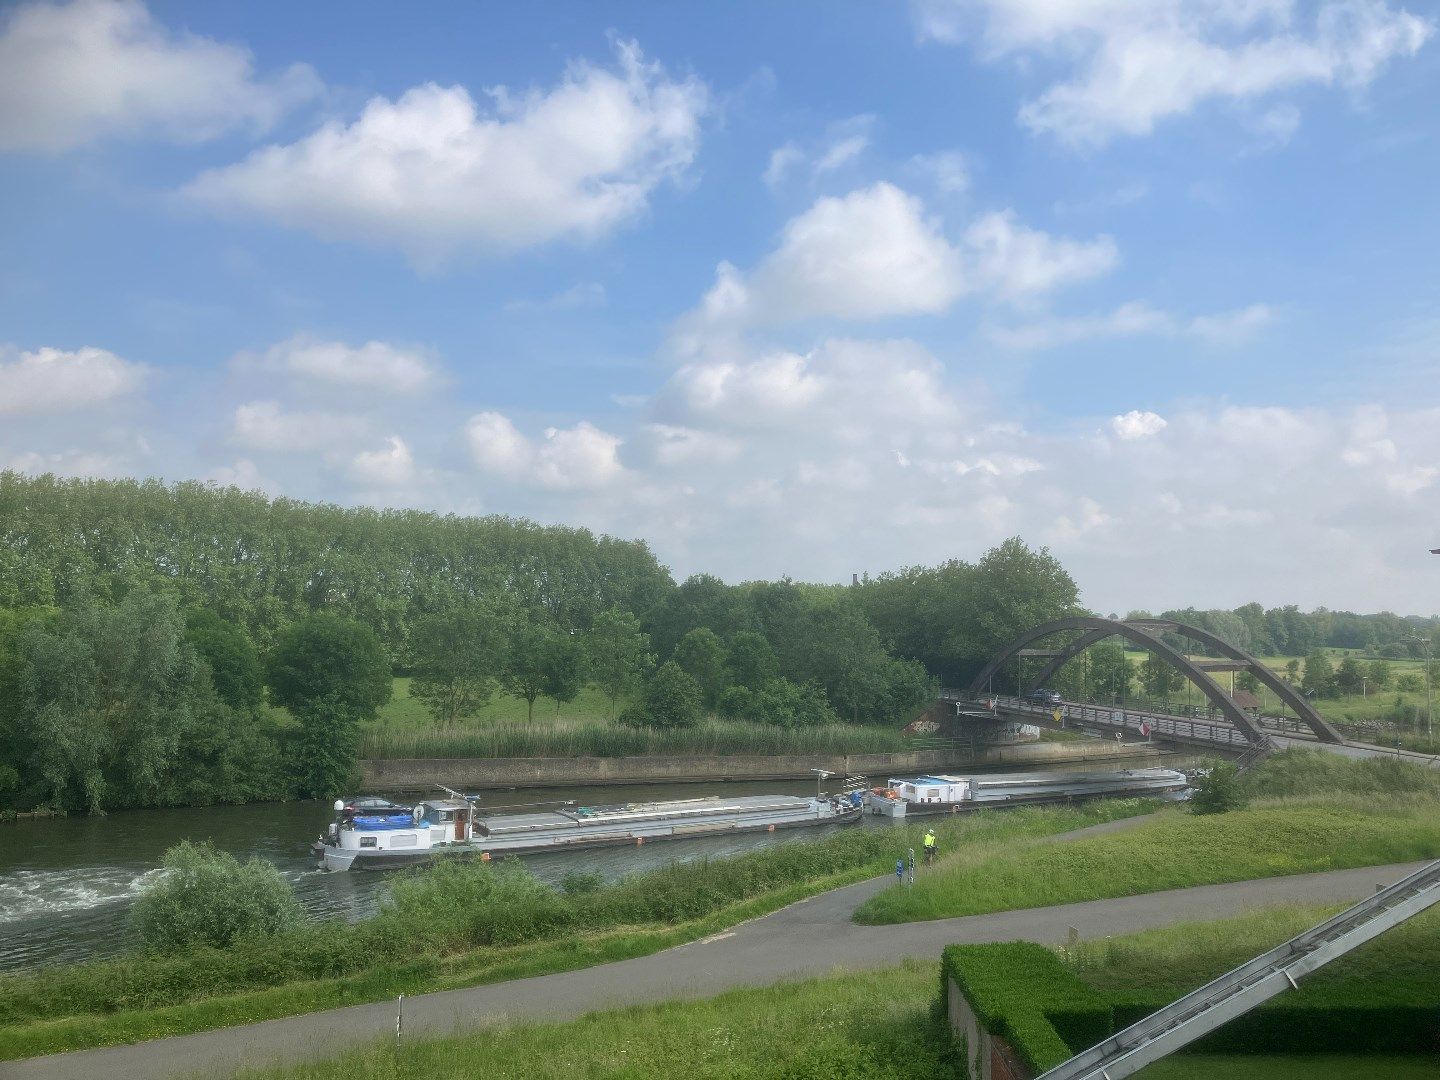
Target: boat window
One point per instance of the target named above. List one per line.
(367, 841)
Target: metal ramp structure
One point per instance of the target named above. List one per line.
(1253, 982)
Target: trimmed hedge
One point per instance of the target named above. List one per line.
(1025, 994)
(1021, 992)
(1354, 1017)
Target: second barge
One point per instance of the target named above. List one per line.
(956, 794)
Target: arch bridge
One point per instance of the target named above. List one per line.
(1146, 633)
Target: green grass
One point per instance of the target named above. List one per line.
(583, 728)
(132, 998)
(842, 1027)
(1174, 850)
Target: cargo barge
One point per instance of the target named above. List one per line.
(375, 835)
(957, 794)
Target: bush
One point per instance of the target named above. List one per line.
(1218, 790)
(736, 703)
(463, 902)
(208, 897)
(672, 698)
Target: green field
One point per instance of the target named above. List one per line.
(584, 727)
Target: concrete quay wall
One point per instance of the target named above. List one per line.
(420, 774)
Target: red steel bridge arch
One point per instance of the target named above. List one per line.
(1145, 633)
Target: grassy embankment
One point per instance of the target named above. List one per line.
(584, 727)
(1321, 812)
(462, 924)
(883, 1023)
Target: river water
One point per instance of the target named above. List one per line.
(66, 884)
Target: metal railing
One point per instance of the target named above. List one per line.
(1122, 718)
(1253, 982)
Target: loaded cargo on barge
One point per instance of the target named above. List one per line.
(375, 834)
(956, 794)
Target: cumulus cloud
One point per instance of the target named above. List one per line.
(1133, 320)
(392, 465)
(565, 459)
(1135, 425)
(437, 174)
(876, 252)
(375, 365)
(265, 425)
(74, 72)
(53, 380)
(1130, 64)
(1017, 261)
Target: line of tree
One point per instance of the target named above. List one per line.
(1288, 631)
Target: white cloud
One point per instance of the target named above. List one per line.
(1132, 320)
(393, 465)
(54, 381)
(243, 474)
(437, 175)
(74, 72)
(375, 365)
(844, 142)
(1017, 261)
(264, 425)
(581, 457)
(586, 294)
(875, 253)
(947, 170)
(1133, 63)
(782, 160)
(1137, 425)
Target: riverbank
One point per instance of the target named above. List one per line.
(423, 774)
(466, 924)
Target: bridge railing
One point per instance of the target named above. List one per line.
(1155, 711)
(1117, 717)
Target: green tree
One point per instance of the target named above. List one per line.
(786, 704)
(1380, 673)
(752, 660)
(108, 696)
(1319, 678)
(1158, 678)
(544, 661)
(672, 698)
(1348, 676)
(701, 655)
(331, 673)
(235, 667)
(1108, 671)
(329, 658)
(208, 897)
(458, 659)
(618, 653)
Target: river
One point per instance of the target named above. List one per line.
(66, 884)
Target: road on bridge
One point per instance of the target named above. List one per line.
(813, 937)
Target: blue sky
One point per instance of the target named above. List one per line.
(803, 289)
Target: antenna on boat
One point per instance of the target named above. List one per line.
(821, 775)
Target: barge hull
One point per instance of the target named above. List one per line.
(384, 861)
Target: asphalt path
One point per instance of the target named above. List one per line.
(812, 937)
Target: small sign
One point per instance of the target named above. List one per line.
(1058, 715)
(1145, 728)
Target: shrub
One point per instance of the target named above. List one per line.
(736, 703)
(1218, 790)
(208, 897)
(672, 698)
(471, 902)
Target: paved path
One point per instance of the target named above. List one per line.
(813, 937)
